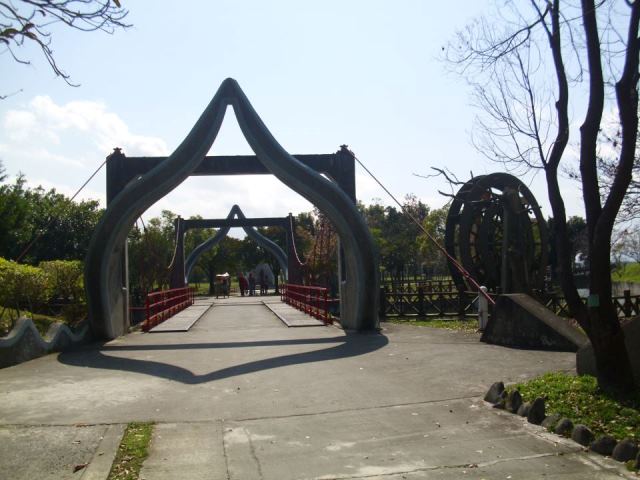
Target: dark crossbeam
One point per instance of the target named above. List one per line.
(235, 222)
(339, 166)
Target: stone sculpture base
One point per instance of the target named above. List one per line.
(520, 321)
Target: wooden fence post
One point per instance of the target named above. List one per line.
(627, 306)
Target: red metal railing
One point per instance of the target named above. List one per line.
(311, 300)
(166, 303)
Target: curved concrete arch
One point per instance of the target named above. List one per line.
(208, 244)
(254, 234)
(104, 268)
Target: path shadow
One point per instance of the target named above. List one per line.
(349, 345)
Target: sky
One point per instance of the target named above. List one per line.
(365, 73)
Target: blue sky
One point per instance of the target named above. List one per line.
(320, 74)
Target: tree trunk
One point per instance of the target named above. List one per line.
(607, 338)
(612, 361)
(606, 335)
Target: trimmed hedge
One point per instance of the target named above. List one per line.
(64, 279)
(22, 286)
(53, 287)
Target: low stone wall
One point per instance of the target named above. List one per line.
(24, 342)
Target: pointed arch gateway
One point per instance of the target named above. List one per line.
(235, 212)
(104, 266)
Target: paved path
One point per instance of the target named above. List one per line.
(240, 396)
(185, 319)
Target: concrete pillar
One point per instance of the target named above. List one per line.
(346, 179)
(116, 181)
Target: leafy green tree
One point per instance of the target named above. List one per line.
(204, 269)
(15, 212)
(64, 279)
(61, 229)
(151, 246)
(396, 235)
(578, 242)
(435, 224)
(45, 224)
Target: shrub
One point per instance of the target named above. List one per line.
(21, 286)
(64, 279)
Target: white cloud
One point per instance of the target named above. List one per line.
(60, 145)
(213, 197)
(43, 119)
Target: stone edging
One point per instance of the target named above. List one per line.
(24, 342)
(624, 451)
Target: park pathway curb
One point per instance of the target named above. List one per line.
(105, 454)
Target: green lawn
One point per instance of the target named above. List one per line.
(203, 288)
(630, 273)
(579, 399)
(470, 325)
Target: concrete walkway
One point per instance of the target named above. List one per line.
(185, 319)
(240, 396)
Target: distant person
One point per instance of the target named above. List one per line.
(252, 284)
(263, 283)
(226, 284)
(243, 284)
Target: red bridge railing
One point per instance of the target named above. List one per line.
(311, 300)
(164, 304)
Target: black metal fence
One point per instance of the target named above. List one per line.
(626, 305)
(411, 284)
(427, 302)
(440, 298)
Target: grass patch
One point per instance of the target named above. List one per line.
(132, 452)
(470, 325)
(9, 317)
(579, 399)
(630, 273)
(200, 288)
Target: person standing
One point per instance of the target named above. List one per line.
(243, 284)
(263, 283)
(252, 284)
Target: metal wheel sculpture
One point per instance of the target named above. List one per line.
(496, 231)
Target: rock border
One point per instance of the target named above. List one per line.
(624, 451)
(24, 341)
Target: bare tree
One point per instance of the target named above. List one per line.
(522, 76)
(631, 244)
(607, 168)
(29, 21)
